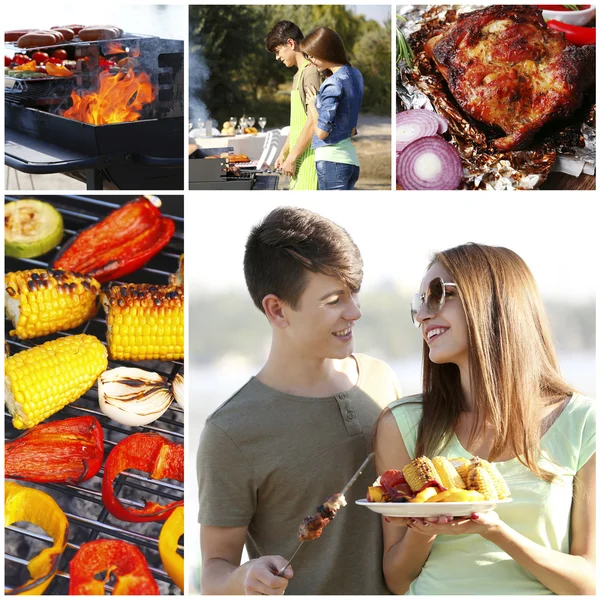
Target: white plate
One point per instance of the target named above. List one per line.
(431, 509)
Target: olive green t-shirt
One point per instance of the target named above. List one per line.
(310, 78)
(267, 459)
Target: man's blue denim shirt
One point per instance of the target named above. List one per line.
(338, 104)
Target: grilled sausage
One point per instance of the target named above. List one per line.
(15, 34)
(74, 28)
(99, 32)
(67, 33)
(39, 39)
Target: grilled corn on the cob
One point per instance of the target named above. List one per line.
(420, 473)
(481, 481)
(448, 475)
(499, 483)
(42, 380)
(145, 322)
(40, 301)
(462, 466)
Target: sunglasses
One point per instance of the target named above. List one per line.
(434, 299)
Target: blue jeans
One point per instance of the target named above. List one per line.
(336, 176)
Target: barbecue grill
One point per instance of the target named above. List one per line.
(146, 154)
(210, 173)
(82, 503)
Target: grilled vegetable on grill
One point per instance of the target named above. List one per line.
(121, 243)
(145, 322)
(134, 396)
(40, 301)
(31, 228)
(67, 451)
(42, 380)
(178, 388)
(33, 506)
(168, 540)
(148, 452)
(95, 562)
(420, 473)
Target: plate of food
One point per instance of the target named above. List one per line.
(456, 487)
(525, 105)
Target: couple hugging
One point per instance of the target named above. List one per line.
(318, 152)
(295, 433)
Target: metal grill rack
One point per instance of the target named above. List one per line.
(82, 504)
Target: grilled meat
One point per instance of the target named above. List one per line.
(330, 507)
(507, 69)
(312, 527)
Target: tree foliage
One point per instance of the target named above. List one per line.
(228, 41)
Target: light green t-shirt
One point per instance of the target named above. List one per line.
(469, 564)
(342, 152)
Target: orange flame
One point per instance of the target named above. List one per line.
(118, 99)
(115, 48)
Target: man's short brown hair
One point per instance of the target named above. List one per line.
(281, 33)
(289, 243)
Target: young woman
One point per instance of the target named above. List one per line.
(492, 388)
(334, 109)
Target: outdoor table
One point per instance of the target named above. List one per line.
(249, 144)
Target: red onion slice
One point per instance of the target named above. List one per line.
(429, 163)
(417, 123)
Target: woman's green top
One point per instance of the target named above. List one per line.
(541, 511)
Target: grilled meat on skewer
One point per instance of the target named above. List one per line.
(312, 527)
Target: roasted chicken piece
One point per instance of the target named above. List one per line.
(507, 69)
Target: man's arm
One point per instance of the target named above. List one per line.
(222, 573)
(283, 154)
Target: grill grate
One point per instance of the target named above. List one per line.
(82, 504)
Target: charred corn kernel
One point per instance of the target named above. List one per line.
(420, 473)
(42, 380)
(40, 301)
(145, 322)
(448, 474)
(499, 483)
(481, 481)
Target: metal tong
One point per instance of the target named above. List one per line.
(344, 490)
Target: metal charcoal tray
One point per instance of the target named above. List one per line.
(88, 519)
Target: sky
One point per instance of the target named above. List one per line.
(377, 12)
(397, 234)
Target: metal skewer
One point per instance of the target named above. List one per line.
(344, 490)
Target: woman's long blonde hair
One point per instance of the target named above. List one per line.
(512, 362)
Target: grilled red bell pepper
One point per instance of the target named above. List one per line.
(119, 244)
(113, 557)
(580, 36)
(148, 452)
(67, 451)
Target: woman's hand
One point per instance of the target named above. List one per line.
(481, 523)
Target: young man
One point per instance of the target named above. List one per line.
(297, 431)
(296, 159)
